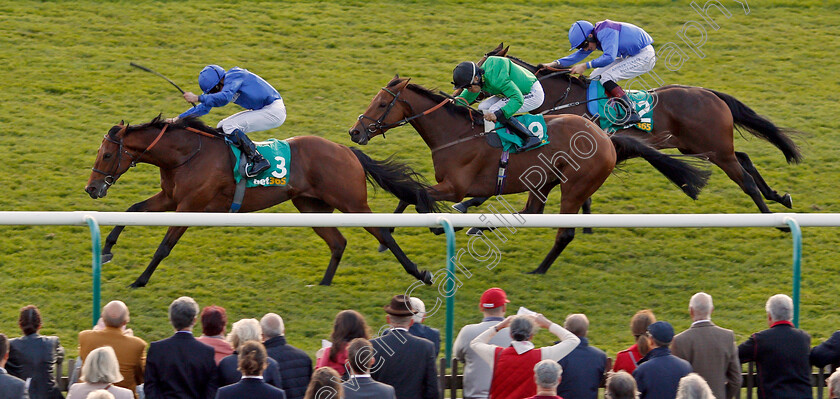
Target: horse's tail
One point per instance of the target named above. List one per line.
(761, 127)
(398, 179)
(689, 178)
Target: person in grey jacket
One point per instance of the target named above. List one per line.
(11, 387)
(35, 356)
(360, 385)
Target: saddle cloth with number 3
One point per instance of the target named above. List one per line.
(278, 155)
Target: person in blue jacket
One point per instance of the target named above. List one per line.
(628, 52)
(264, 108)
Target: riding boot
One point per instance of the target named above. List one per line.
(632, 117)
(256, 163)
(516, 127)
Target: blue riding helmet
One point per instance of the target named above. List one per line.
(209, 77)
(578, 33)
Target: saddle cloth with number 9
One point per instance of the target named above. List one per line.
(609, 116)
(278, 155)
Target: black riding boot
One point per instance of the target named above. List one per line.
(632, 116)
(256, 163)
(516, 127)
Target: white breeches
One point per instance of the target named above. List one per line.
(268, 117)
(627, 68)
(532, 100)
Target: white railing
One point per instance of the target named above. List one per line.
(93, 220)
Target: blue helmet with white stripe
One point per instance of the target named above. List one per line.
(578, 33)
(209, 77)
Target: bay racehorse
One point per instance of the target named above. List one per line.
(580, 154)
(196, 175)
(694, 120)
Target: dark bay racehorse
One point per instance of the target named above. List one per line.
(196, 176)
(581, 154)
(694, 120)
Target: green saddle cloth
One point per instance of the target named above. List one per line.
(609, 115)
(534, 123)
(278, 155)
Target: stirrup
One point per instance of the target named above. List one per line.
(253, 169)
(532, 142)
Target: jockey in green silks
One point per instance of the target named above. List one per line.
(513, 89)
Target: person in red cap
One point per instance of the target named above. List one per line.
(477, 373)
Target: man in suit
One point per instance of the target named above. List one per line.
(360, 385)
(35, 356)
(584, 366)
(11, 387)
(477, 373)
(180, 366)
(780, 352)
(659, 372)
(130, 350)
(404, 361)
(710, 349)
(827, 352)
(294, 364)
(418, 329)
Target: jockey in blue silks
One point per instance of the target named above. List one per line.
(264, 108)
(628, 52)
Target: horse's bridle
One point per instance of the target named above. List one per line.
(379, 125)
(110, 179)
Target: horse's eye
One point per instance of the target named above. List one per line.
(383, 104)
(107, 156)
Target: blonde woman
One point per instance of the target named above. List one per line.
(325, 383)
(100, 372)
(245, 330)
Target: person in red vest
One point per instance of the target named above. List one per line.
(513, 367)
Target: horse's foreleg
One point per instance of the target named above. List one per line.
(330, 235)
(765, 189)
(169, 240)
(586, 209)
(157, 203)
(462, 207)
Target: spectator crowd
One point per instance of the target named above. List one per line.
(254, 360)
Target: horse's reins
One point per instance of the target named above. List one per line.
(109, 179)
(379, 125)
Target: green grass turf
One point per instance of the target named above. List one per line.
(67, 80)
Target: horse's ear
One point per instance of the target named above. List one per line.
(397, 76)
(122, 122)
(504, 52)
(402, 84)
(499, 47)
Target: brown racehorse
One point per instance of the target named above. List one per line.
(581, 154)
(196, 176)
(694, 120)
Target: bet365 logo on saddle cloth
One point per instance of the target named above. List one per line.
(278, 155)
(610, 115)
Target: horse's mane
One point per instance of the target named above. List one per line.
(158, 122)
(581, 81)
(453, 108)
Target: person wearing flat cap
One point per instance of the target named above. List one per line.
(659, 372)
(404, 361)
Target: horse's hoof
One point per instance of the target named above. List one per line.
(137, 284)
(536, 271)
(587, 230)
(325, 283)
(382, 248)
(436, 230)
(787, 201)
(460, 207)
(106, 258)
(426, 277)
(475, 231)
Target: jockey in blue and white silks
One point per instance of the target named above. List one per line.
(264, 108)
(628, 52)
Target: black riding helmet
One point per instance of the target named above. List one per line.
(463, 74)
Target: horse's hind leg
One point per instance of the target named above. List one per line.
(330, 235)
(400, 209)
(765, 189)
(586, 209)
(570, 203)
(383, 234)
(157, 203)
(169, 240)
(739, 175)
(462, 207)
